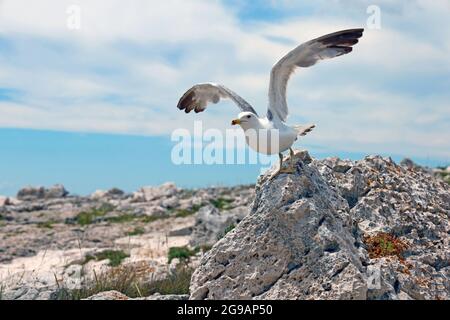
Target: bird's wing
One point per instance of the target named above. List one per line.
(199, 96)
(306, 55)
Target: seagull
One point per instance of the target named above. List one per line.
(273, 124)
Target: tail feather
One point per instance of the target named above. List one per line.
(303, 130)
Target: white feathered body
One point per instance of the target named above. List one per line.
(268, 137)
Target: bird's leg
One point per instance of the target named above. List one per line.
(291, 160)
(281, 169)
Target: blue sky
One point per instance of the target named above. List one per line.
(94, 107)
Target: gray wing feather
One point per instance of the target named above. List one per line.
(199, 96)
(306, 55)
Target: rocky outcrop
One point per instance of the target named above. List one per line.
(336, 229)
(38, 193)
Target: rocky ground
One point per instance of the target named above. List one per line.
(50, 239)
(335, 229)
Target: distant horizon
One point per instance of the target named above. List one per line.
(86, 162)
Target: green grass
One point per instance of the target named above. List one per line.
(182, 253)
(175, 283)
(115, 257)
(182, 213)
(88, 217)
(123, 218)
(127, 281)
(221, 203)
(150, 219)
(136, 231)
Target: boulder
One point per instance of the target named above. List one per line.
(108, 295)
(113, 193)
(4, 201)
(334, 229)
(153, 193)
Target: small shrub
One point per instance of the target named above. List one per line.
(383, 245)
(221, 203)
(88, 217)
(182, 253)
(115, 257)
(187, 212)
(175, 283)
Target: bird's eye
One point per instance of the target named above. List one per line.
(248, 117)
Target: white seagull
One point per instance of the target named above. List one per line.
(273, 124)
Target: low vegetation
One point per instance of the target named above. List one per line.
(88, 217)
(182, 253)
(128, 281)
(187, 212)
(383, 245)
(123, 218)
(444, 174)
(222, 203)
(225, 231)
(115, 257)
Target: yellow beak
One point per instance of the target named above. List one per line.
(235, 122)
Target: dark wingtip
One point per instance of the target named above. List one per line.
(343, 40)
(185, 102)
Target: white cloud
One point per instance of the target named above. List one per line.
(125, 69)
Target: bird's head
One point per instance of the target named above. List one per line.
(246, 120)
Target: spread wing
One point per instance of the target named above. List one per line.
(306, 55)
(199, 96)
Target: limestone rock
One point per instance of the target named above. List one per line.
(158, 296)
(36, 193)
(152, 193)
(210, 224)
(305, 236)
(108, 295)
(4, 201)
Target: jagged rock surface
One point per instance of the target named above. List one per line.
(305, 236)
(210, 224)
